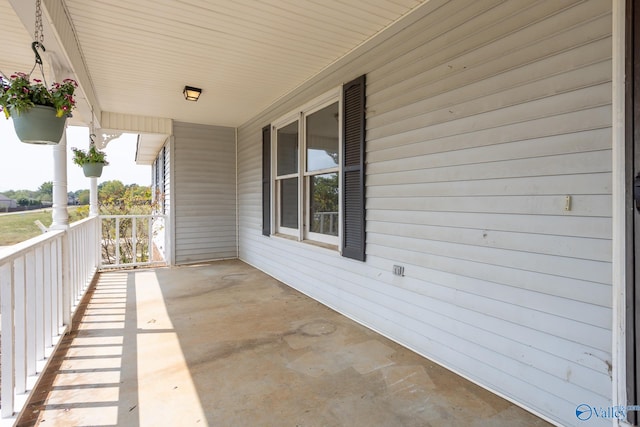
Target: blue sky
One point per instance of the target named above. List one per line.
(26, 166)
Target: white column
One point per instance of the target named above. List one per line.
(60, 214)
(93, 197)
(618, 177)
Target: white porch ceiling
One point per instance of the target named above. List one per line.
(244, 54)
(134, 58)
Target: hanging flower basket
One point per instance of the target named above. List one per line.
(39, 125)
(92, 170)
(92, 161)
(39, 112)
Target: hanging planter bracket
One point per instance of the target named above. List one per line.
(34, 46)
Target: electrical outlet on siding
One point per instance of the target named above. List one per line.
(398, 270)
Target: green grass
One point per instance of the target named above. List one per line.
(18, 227)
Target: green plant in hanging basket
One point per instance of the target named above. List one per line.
(92, 155)
(91, 161)
(18, 95)
(39, 113)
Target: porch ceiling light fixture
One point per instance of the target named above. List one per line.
(191, 93)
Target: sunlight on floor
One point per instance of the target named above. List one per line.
(162, 370)
(125, 358)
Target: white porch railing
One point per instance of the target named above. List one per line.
(132, 240)
(41, 282)
(325, 223)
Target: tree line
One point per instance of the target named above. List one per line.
(110, 193)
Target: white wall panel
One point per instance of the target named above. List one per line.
(204, 201)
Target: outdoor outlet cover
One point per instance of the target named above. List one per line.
(398, 270)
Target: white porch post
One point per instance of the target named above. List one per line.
(93, 197)
(619, 327)
(60, 214)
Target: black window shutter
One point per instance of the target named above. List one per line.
(266, 180)
(353, 200)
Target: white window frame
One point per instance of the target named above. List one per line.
(303, 233)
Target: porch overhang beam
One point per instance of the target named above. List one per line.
(153, 132)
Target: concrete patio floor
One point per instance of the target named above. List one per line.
(223, 344)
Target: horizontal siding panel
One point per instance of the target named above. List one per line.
(574, 247)
(200, 255)
(448, 40)
(435, 111)
(589, 227)
(413, 143)
(578, 142)
(200, 222)
(562, 164)
(220, 231)
(534, 186)
(446, 270)
(582, 205)
(587, 65)
(205, 246)
(526, 113)
(195, 202)
(205, 205)
(549, 264)
(514, 50)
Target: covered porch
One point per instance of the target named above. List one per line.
(225, 344)
(477, 155)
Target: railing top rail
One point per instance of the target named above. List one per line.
(22, 248)
(82, 222)
(134, 216)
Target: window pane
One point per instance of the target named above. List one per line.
(324, 204)
(289, 202)
(287, 162)
(322, 138)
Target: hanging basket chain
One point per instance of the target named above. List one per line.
(92, 131)
(38, 40)
(38, 34)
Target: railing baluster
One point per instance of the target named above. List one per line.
(59, 266)
(117, 241)
(7, 288)
(31, 311)
(31, 304)
(46, 281)
(20, 342)
(40, 303)
(134, 239)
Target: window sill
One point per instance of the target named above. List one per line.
(309, 242)
(322, 245)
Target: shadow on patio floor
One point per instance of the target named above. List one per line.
(223, 344)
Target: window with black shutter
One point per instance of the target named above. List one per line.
(353, 218)
(318, 175)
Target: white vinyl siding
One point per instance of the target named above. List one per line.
(204, 199)
(482, 117)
